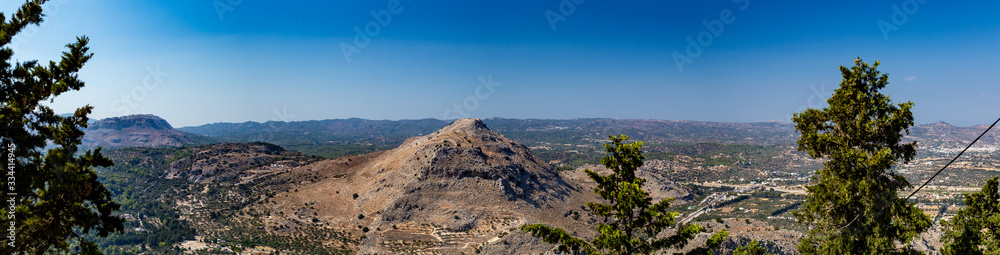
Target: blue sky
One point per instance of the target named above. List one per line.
(198, 62)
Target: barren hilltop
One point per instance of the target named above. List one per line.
(449, 191)
(140, 130)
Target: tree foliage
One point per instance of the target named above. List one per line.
(632, 223)
(976, 228)
(752, 248)
(852, 203)
(58, 200)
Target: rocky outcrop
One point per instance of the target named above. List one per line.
(459, 188)
(140, 130)
(744, 231)
(138, 121)
(233, 162)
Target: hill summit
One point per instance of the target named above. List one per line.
(137, 121)
(140, 130)
(464, 181)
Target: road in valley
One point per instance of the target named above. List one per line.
(717, 197)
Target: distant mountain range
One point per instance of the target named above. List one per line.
(391, 133)
(341, 137)
(361, 135)
(941, 134)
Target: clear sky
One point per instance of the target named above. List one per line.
(197, 62)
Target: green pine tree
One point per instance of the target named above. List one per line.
(852, 203)
(632, 222)
(752, 248)
(976, 228)
(58, 200)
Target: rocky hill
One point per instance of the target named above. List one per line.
(450, 191)
(240, 162)
(172, 194)
(141, 130)
(942, 134)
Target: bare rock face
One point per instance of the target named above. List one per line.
(138, 121)
(469, 153)
(458, 188)
(237, 162)
(464, 178)
(141, 130)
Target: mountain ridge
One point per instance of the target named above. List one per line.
(358, 136)
(138, 130)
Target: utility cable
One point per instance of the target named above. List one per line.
(953, 160)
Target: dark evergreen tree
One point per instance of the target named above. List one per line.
(752, 248)
(976, 228)
(58, 199)
(853, 205)
(632, 222)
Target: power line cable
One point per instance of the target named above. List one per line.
(953, 160)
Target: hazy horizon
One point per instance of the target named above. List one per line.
(194, 63)
(306, 120)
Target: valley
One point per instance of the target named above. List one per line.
(466, 187)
